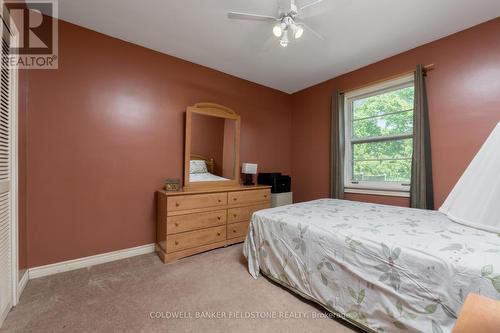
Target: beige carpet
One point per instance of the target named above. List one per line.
(120, 296)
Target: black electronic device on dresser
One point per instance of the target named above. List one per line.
(279, 183)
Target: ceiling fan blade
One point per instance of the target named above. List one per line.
(253, 17)
(317, 34)
(310, 4)
(316, 8)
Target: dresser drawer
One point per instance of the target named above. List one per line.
(236, 230)
(249, 196)
(190, 222)
(184, 202)
(243, 214)
(191, 239)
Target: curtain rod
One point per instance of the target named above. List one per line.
(426, 68)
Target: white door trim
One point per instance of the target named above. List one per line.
(14, 209)
(13, 177)
(23, 281)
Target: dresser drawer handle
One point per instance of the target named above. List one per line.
(234, 215)
(177, 204)
(219, 200)
(265, 196)
(234, 230)
(176, 242)
(176, 224)
(218, 234)
(234, 199)
(218, 218)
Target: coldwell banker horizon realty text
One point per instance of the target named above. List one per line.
(32, 34)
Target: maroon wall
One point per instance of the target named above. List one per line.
(99, 135)
(106, 129)
(207, 139)
(464, 106)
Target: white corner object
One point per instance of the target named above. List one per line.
(102, 258)
(475, 199)
(249, 168)
(23, 281)
(281, 199)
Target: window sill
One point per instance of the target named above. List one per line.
(388, 193)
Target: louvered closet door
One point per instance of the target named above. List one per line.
(5, 179)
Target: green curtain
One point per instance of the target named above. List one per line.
(421, 192)
(337, 147)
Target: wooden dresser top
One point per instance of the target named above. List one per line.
(215, 190)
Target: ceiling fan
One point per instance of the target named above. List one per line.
(286, 24)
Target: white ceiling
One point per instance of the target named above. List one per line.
(357, 32)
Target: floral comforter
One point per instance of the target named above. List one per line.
(385, 268)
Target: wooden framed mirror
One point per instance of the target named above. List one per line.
(212, 146)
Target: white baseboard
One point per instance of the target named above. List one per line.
(102, 258)
(22, 284)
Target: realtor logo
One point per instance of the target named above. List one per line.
(33, 33)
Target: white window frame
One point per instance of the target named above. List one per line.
(372, 187)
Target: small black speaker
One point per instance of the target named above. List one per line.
(279, 183)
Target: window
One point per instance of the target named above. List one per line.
(379, 138)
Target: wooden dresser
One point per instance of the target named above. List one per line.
(195, 221)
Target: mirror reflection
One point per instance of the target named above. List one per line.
(212, 149)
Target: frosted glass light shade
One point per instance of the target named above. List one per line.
(475, 199)
(299, 32)
(249, 168)
(277, 31)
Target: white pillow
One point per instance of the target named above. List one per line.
(197, 166)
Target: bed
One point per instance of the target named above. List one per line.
(202, 169)
(205, 177)
(382, 268)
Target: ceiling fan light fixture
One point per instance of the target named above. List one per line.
(284, 39)
(277, 31)
(287, 25)
(299, 31)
